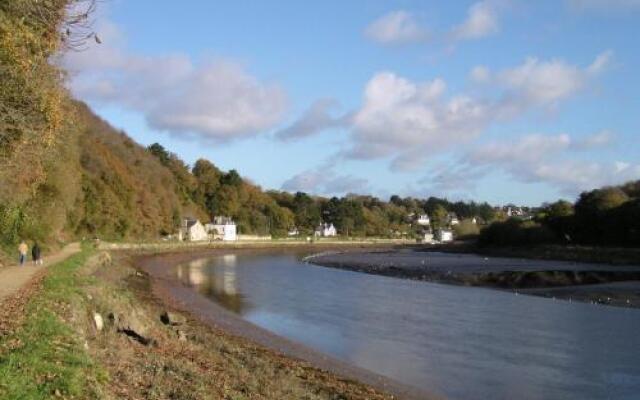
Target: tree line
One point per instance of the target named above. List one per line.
(276, 212)
(609, 216)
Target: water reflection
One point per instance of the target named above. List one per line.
(215, 278)
(465, 343)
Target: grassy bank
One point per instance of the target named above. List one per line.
(44, 356)
(57, 350)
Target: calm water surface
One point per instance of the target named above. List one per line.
(464, 343)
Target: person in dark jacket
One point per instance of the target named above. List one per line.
(36, 254)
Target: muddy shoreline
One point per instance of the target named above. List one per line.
(166, 287)
(587, 282)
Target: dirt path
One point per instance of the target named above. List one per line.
(14, 277)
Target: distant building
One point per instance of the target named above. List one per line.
(427, 237)
(518, 212)
(222, 228)
(192, 230)
(423, 220)
(293, 232)
(326, 230)
(444, 235)
(453, 220)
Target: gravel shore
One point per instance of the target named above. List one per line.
(605, 284)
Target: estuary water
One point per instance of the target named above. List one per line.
(463, 343)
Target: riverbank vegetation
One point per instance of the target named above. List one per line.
(609, 216)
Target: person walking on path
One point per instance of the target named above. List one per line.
(36, 254)
(22, 249)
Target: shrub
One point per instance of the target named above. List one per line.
(514, 232)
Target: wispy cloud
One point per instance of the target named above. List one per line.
(315, 119)
(402, 27)
(560, 161)
(326, 181)
(481, 21)
(396, 27)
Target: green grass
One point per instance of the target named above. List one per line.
(45, 357)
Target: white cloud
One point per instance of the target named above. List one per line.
(530, 148)
(550, 159)
(411, 120)
(601, 63)
(396, 27)
(216, 99)
(314, 120)
(545, 84)
(324, 180)
(481, 21)
(574, 176)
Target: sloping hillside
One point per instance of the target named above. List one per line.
(126, 191)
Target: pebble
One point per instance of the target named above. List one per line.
(97, 319)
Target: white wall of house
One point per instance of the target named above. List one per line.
(329, 230)
(444, 235)
(428, 238)
(196, 232)
(229, 233)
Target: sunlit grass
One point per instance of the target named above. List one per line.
(44, 357)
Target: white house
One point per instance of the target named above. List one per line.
(428, 237)
(423, 220)
(192, 230)
(293, 232)
(326, 230)
(453, 219)
(222, 228)
(444, 235)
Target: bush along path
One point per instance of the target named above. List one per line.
(41, 356)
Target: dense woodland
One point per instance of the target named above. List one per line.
(65, 173)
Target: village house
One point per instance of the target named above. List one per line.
(293, 232)
(444, 235)
(453, 220)
(423, 220)
(222, 228)
(326, 230)
(427, 237)
(192, 230)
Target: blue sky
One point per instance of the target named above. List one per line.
(494, 100)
